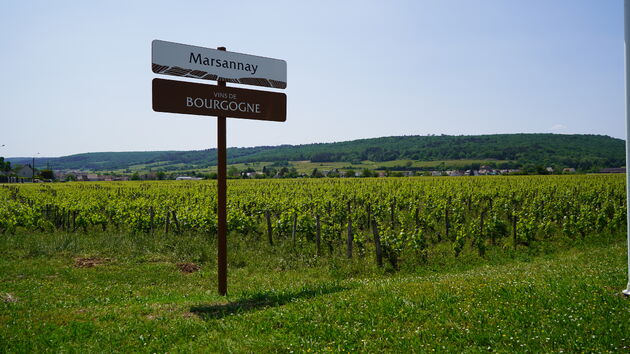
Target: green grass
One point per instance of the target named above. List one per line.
(551, 297)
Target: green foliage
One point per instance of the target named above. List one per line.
(367, 173)
(535, 151)
(551, 288)
(233, 172)
(517, 211)
(70, 177)
(46, 174)
(5, 166)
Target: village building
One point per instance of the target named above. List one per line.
(25, 172)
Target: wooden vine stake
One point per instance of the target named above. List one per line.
(269, 234)
(318, 235)
(377, 244)
(294, 228)
(350, 237)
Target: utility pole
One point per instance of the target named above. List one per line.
(33, 168)
(626, 21)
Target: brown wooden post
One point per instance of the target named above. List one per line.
(416, 217)
(167, 222)
(447, 224)
(175, 220)
(294, 228)
(269, 230)
(151, 218)
(377, 244)
(393, 212)
(369, 215)
(483, 214)
(222, 200)
(318, 235)
(514, 218)
(350, 237)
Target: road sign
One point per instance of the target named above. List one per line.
(211, 64)
(210, 100)
(221, 101)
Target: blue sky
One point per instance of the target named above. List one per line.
(77, 75)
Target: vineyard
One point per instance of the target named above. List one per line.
(397, 219)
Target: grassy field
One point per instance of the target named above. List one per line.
(121, 292)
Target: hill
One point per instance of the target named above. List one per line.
(584, 152)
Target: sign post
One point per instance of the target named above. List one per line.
(199, 99)
(627, 58)
(222, 200)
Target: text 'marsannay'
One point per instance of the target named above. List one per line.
(220, 63)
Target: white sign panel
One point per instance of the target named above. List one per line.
(211, 64)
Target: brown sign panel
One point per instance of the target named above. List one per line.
(209, 100)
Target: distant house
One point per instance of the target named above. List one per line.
(187, 178)
(568, 170)
(253, 174)
(60, 175)
(25, 171)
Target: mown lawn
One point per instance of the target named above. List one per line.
(80, 293)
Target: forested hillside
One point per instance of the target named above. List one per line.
(584, 152)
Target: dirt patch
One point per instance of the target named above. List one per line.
(188, 267)
(89, 262)
(189, 315)
(8, 298)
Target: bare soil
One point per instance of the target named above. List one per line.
(188, 267)
(89, 262)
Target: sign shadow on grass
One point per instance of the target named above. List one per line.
(259, 301)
